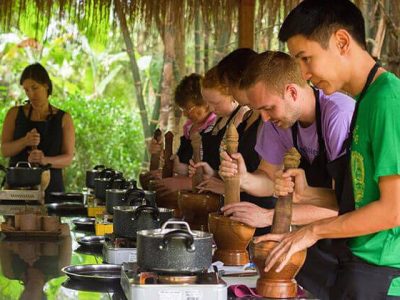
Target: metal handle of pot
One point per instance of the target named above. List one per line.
(150, 198)
(20, 163)
(99, 167)
(129, 192)
(130, 184)
(46, 167)
(189, 240)
(153, 210)
(106, 173)
(173, 222)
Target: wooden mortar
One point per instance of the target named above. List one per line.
(195, 206)
(281, 284)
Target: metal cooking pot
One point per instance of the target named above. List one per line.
(123, 197)
(174, 251)
(23, 174)
(128, 220)
(116, 182)
(91, 175)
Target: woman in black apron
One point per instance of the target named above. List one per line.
(38, 132)
(247, 129)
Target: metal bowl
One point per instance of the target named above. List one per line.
(91, 241)
(94, 273)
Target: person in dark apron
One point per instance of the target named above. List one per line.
(231, 69)
(366, 234)
(199, 119)
(248, 130)
(290, 125)
(38, 132)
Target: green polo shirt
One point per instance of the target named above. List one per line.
(376, 153)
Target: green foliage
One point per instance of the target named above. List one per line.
(106, 133)
(94, 85)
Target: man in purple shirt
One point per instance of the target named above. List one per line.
(295, 115)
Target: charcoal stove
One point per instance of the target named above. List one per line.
(140, 284)
(14, 200)
(117, 250)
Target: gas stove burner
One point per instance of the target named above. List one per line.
(139, 284)
(177, 279)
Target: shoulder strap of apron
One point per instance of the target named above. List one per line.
(371, 75)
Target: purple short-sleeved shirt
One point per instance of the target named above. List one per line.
(336, 112)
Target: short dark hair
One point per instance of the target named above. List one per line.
(274, 68)
(231, 68)
(189, 91)
(37, 73)
(318, 19)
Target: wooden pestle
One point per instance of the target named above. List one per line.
(283, 207)
(232, 184)
(197, 178)
(155, 157)
(168, 167)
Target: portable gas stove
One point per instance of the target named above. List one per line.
(13, 201)
(137, 284)
(118, 250)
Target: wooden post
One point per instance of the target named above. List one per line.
(197, 178)
(168, 167)
(232, 184)
(283, 207)
(155, 157)
(246, 23)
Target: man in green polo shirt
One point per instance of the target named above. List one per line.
(328, 39)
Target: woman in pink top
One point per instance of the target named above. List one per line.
(199, 118)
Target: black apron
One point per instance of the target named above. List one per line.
(320, 267)
(356, 279)
(51, 137)
(247, 143)
(185, 150)
(211, 142)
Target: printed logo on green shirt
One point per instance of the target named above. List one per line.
(358, 171)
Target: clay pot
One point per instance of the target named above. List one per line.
(28, 222)
(231, 238)
(50, 223)
(169, 201)
(17, 221)
(274, 284)
(49, 249)
(195, 208)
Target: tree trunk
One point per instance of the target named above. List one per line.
(197, 43)
(393, 37)
(221, 39)
(134, 68)
(206, 58)
(176, 124)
